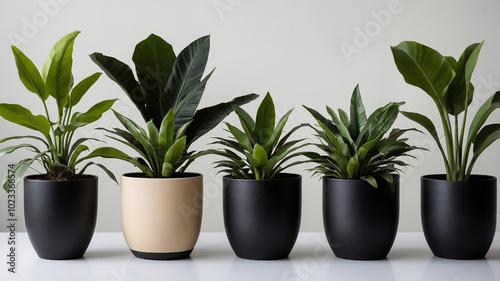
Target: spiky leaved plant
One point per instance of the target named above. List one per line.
(258, 152)
(356, 146)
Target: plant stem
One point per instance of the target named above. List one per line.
(449, 143)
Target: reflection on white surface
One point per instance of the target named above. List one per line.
(109, 259)
(438, 269)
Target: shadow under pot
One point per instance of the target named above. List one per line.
(60, 216)
(262, 217)
(459, 217)
(360, 221)
(161, 217)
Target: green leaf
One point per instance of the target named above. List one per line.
(93, 114)
(166, 169)
(358, 114)
(275, 137)
(29, 74)
(19, 170)
(264, 121)
(154, 136)
(59, 78)
(25, 137)
(74, 157)
(240, 137)
(186, 76)
(460, 91)
(352, 166)
(175, 152)
(21, 116)
(154, 59)
(485, 137)
(122, 75)
(104, 168)
(207, 118)
(260, 155)
(113, 153)
(371, 180)
(482, 115)
(425, 68)
(81, 88)
(10, 149)
(166, 133)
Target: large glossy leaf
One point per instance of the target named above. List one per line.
(424, 67)
(265, 120)
(81, 88)
(121, 74)
(186, 75)
(460, 91)
(358, 114)
(488, 135)
(59, 44)
(59, 78)
(154, 59)
(29, 74)
(207, 118)
(482, 115)
(22, 116)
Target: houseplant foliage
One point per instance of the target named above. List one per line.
(356, 146)
(167, 92)
(448, 82)
(57, 150)
(261, 203)
(258, 152)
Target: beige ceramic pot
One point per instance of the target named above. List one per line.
(161, 217)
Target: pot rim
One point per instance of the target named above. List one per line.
(442, 178)
(287, 176)
(139, 175)
(88, 177)
(355, 180)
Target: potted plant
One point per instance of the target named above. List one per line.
(162, 204)
(261, 203)
(359, 165)
(458, 208)
(60, 205)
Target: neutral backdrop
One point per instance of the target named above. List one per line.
(303, 52)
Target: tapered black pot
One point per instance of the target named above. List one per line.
(459, 217)
(60, 216)
(360, 221)
(262, 217)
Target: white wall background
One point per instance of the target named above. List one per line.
(292, 48)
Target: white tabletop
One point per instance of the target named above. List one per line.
(109, 259)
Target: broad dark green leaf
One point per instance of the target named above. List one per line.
(29, 74)
(207, 118)
(482, 115)
(59, 44)
(121, 74)
(425, 68)
(428, 125)
(21, 116)
(460, 91)
(358, 114)
(265, 120)
(186, 75)
(81, 88)
(93, 114)
(154, 59)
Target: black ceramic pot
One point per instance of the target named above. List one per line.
(360, 221)
(459, 217)
(262, 217)
(60, 216)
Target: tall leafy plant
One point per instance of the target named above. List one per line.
(167, 93)
(57, 151)
(358, 147)
(448, 82)
(259, 151)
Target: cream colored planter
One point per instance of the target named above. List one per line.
(161, 217)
